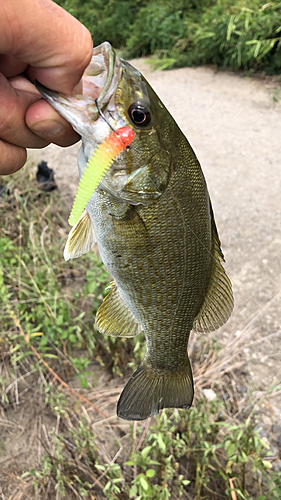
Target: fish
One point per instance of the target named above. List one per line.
(152, 219)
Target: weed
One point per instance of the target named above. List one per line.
(38, 287)
(200, 452)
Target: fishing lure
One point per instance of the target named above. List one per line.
(97, 166)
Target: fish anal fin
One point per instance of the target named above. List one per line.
(81, 238)
(150, 390)
(115, 318)
(218, 303)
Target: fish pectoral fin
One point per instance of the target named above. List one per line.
(146, 184)
(81, 238)
(115, 318)
(150, 390)
(218, 303)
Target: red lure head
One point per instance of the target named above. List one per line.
(126, 134)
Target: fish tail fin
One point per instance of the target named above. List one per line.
(150, 390)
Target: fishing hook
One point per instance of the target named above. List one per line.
(105, 119)
(102, 115)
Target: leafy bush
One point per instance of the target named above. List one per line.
(241, 35)
(157, 27)
(110, 20)
(228, 33)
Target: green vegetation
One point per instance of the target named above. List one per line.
(237, 34)
(214, 450)
(186, 454)
(43, 292)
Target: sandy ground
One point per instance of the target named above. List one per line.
(235, 129)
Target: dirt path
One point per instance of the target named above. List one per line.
(235, 129)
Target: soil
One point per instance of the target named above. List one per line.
(234, 126)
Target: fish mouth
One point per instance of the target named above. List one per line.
(100, 81)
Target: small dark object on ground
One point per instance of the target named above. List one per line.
(276, 429)
(3, 189)
(45, 176)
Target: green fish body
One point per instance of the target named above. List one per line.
(152, 219)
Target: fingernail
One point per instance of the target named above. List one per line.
(47, 128)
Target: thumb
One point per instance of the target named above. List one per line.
(56, 47)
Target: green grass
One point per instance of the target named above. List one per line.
(43, 291)
(48, 306)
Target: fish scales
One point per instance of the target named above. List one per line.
(153, 222)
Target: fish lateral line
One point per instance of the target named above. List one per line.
(97, 166)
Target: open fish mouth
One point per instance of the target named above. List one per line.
(100, 81)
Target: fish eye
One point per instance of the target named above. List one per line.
(139, 114)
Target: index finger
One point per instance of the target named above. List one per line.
(53, 43)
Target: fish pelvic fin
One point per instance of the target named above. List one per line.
(115, 318)
(218, 303)
(150, 390)
(81, 238)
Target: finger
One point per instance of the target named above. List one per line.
(14, 104)
(12, 158)
(44, 121)
(11, 66)
(54, 44)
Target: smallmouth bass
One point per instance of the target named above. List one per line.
(152, 219)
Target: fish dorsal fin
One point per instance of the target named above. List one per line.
(218, 303)
(81, 238)
(115, 318)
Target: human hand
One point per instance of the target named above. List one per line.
(38, 40)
